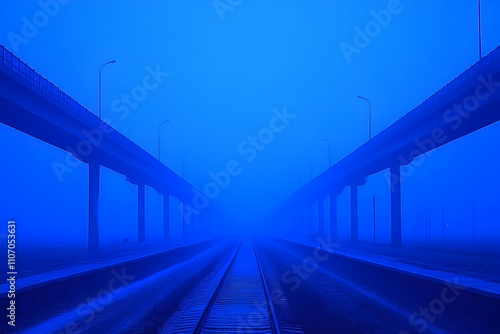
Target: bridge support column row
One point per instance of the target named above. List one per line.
(93, 224)
(395, 180)
(141, 211)
(93, 217)
(395, 188)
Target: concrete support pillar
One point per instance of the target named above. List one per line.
(321, 217)
(303, 221)
(310, 217)
(184, 223)
(141, 210)
(395, 172)
(93, 226)
(298, 207)
(354, 213)
(333, 217)
(193, 227)
(166, 217)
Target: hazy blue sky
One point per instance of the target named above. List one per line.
(225, 78)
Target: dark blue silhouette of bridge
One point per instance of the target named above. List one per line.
(468, 103)
(32, 104)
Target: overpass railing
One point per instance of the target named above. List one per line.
(487, 65)
(461, 81)
(47, 88)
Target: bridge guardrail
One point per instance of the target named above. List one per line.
(491, 59)
(36, 79)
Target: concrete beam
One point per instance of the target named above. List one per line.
(354, 213)
(184, 222)
(93, 224)
(310, 217)
(333, 217)
(321, 217)
(141, 211)
(166, 217)
(395, 172)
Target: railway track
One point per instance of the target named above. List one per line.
(241, 301)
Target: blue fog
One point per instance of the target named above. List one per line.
(221, 77)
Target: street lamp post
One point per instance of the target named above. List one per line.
(159, 133)
(329, 156)
(480, 37)
(100, 72)
(184, 223)
(370, 119)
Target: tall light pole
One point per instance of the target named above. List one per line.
(184, 223)
(374, 220)
(159, 133)
(479, 21)
(370, 120)
(329, 156)
(100, 72)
